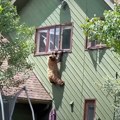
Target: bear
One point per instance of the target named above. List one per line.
(53, 70)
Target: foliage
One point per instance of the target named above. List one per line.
(106, 30)
(112, 87)
(15, 41)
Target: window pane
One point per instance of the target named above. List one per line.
(66, 39)
(54, 39)
(43, 40)
(90, 112)
(51, 40)
(57, 37)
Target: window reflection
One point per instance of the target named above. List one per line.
(51, 39)
(90, 112)
(43, 40)
(54, 39)
(57, 37)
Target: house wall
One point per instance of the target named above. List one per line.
(82, 70)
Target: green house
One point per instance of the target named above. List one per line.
(84, 65)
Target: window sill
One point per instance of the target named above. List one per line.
(48, 53)
(100, 47)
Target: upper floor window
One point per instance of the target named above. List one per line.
(89, 109)
(94, 44)
(53, 38)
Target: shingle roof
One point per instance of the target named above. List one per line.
(35, 89)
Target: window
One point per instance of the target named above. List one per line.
(94, 44)
(89, 109)
(53, 38)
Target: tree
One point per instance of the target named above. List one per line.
(15, 47)
(15, 44)
(107, 30)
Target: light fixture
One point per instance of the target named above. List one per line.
(63, 4)
(72, 105)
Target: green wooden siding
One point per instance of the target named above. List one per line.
(81, 69)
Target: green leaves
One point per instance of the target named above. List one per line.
(8, 17)
(19, 41)
(1, 9)
(106, 30)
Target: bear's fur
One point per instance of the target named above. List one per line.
(53, 71)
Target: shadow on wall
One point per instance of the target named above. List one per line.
(37, 11)
(91, 7)
(58, 91)
(57, 95)
(63, 63)
(96, 56)
(65, 16)
(93, 54)
(20, 4)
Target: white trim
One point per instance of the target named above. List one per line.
(110, 3)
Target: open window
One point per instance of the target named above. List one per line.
(89, 109)
(53, 38)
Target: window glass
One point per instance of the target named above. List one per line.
(57, 38)
(94, 44)
(66, 38)
(51, 40)
(90, 112)
(42, 40)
